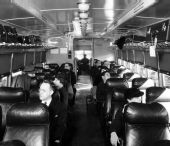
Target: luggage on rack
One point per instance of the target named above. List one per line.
(159, 31)
(14, 35)
(21, 39)
(9, 34)
(2, 34)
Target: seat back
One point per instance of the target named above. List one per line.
(116, 83)
(28, 122)
(114, 101)
(162, 143)
(12, 143)
(8, 97)
(160, 95)
(115, 98)
(142, 84)
(145, 124)
(129, 77)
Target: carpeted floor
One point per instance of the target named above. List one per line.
(84, 127)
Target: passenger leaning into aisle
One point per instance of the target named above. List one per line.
(59, 83)
(102, 89)
(117, 126)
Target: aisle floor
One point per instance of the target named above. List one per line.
(84, 128)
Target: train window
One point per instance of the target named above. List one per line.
(138, 69)
(120, 61)
(3, 81)
(14, 74)
(132, 67)
(154, 76)
(125, 63)
(143, 72)
(166, 80)
(80, 53)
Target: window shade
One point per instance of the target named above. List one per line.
(5, 63)
(29, 58)
(130, 56)
(164, 61)
(139, 57)
(119, 54)
(150, 61)
(18, 61)
(43, 58)
(124, 55)
(37, 57)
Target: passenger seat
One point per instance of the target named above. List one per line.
(142, 84)
(160, 95)
(28, 122)
(8, 97)
(145, 124)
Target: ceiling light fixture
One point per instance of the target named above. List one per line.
(83, 5)
(83, 15)
(83, 8)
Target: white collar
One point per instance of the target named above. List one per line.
(47, 102)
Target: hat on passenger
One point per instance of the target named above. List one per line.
(133, 92)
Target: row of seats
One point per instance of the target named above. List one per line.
(23, 118)
(27, 124)
(139, 117)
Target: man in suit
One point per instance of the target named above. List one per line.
(59, 84)
(102, 90)
(117, 126)
(57, 112)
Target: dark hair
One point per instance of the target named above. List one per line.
(61, 77)
(133, 92)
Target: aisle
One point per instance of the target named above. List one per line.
(84, 128)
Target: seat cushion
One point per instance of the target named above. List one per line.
(30, 135)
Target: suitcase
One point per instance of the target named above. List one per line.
(159, 31)
(9, 34)
(20, 39)
(2, 34)
(27, 40)
(14, 35)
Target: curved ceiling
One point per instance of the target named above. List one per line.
(53, 18)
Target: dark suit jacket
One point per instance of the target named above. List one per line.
(118, 123)
(58, 115)
(101, 92)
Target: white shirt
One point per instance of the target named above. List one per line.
(47, 102)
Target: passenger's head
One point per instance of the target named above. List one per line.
(105, 75)
(59, 80)
(133, 95)
(46, 90)
(67, 66)
(98, 63)
(106, 63)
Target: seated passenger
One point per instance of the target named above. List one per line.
(117, 125)
(101, 91)
(57, 112)
(59, 84)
